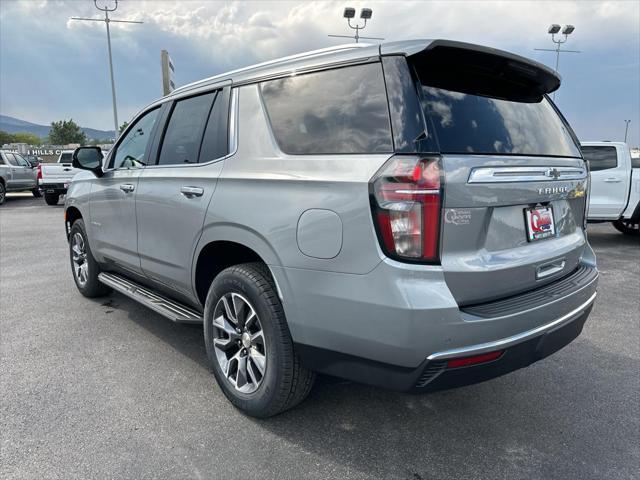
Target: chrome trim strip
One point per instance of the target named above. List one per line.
(525, 174)
(509, 341)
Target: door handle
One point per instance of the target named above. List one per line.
(191, 191)
(612, 180)
(127, 187)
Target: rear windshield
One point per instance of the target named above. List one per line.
(65, 158)
(467, 123)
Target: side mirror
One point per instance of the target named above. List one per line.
(88, 158)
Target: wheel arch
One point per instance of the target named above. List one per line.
(71, 214)
(226, 245)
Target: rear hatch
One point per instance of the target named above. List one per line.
(514, 179)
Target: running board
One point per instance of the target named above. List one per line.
(164, 306)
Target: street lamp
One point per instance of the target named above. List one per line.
(365, 14)
(107, 21)
(553, 30)
(626, 129)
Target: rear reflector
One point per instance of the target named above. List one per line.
(474, 360)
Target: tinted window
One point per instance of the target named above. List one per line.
(600, 158)
(183, 136)
(21, 161)
(334, 111)
(66, 157)
(215, 143)
(466, 123)
(130, 152)
(11, 159)
(635, 162)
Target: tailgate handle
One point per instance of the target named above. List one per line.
(549, 269)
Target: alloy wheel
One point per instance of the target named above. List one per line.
(79, 259)
(239, 343)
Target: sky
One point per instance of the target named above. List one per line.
(53, 68)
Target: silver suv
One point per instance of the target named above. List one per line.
(409, 215)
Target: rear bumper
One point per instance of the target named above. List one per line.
(58, 188)
(435, 373)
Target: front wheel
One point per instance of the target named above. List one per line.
(249, 345)
(84, 267)
(51, 198)
(36, 193)
(627, 227)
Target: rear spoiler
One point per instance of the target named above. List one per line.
(478, 70)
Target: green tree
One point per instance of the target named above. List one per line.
(123, 127)
(5, 137)
(28, 138)
(66, 131)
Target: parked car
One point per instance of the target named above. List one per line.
(615, 185)
(54, 178)
(16, 175)
(419, 225)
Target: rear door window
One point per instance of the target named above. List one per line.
(215, 143)
(183, 136)
(330, 112)
(600, 158)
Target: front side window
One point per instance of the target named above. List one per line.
(21, 161)
(130, 152)
(334, 111)
(600, 158)
(182, 139)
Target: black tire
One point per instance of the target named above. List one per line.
(92, 287)
(36, 193)
(627, 227)
(51, 198)
(285, 382)
(3, 193)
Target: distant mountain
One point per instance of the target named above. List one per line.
(15, 125)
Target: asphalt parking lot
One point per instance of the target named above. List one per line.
(108, 389)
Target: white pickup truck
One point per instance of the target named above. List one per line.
(55, 178)
(615, 185)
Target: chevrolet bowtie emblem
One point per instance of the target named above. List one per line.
(552, 173)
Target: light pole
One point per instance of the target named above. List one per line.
(553, 30)
(107, 21)
(626, 129)
(365, 14)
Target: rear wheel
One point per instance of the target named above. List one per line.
(51, 198)
(627, 227)
(249, 345)
(3, 193)
(84, 267)
(36, 193)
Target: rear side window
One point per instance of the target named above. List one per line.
(215, 143)
(334, 111)
(600, 158)
(183, 135)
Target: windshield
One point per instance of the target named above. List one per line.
(467, 123)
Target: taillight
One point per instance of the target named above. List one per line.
(39, 177)
(406, 207)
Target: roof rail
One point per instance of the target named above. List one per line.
(312, 53)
